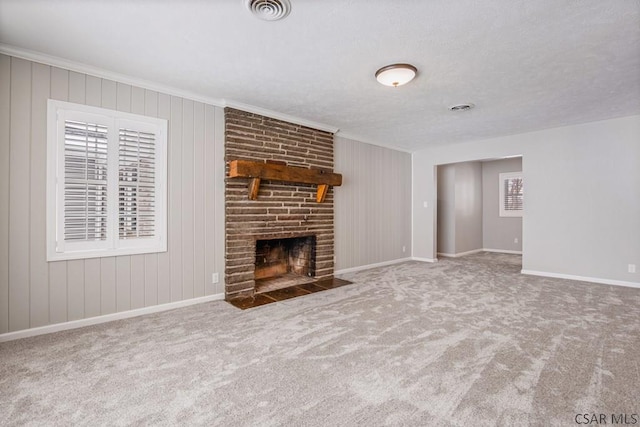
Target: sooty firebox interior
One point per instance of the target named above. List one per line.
(281, 263)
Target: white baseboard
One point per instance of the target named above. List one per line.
(370, 266)
(582, 278)
(25, 333)
(424, 259)
(502, 251)
(474, 251)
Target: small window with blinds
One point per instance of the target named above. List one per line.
(106, 182)
(511, 194)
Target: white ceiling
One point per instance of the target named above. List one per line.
(527, 65)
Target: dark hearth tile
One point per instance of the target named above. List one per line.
(311, 287)
(332, 283)
(245, 302)
(286, 293)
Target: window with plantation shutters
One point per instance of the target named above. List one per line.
(511, 194)
(106, 182)
(136, 184)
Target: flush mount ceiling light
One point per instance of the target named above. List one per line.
(396, 74)
(462, 107)
(269, 10)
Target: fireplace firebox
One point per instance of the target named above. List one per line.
(284, 262)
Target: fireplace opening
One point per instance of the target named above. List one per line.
(281, 263)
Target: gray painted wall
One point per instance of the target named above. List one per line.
(468, 207)
(499, 232)
(34, 292)
(459, 220)
(373, 205)
(447, 209)
(581, 206)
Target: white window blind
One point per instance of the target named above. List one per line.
(511, 194)
(137, 182)
(85, 181)
(106, 180)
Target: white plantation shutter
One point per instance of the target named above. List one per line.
(106, 183)
(85, 181)
(137, 183)
(511, 194)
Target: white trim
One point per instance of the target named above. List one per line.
(474, 251)
(370, 266)
(64, 326)
(424, 259)
(582, 278)
(79, 67)
(502, 251)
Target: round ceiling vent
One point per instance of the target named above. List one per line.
(269, 10)
(462, 107)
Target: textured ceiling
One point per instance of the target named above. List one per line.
(527, 65)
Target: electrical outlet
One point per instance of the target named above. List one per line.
(632, 268)
(404, 249)
(215, 278)
(425, 204)
(515, 240)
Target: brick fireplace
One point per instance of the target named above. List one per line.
(282, 210)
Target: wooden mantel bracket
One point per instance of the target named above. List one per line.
(280, 172)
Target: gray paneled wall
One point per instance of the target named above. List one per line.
(373, 205)
(34, 292)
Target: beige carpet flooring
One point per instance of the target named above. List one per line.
(463, 342)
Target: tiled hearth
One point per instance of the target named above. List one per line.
(249, 301)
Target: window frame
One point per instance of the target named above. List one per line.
(57, 248)
(502, 177)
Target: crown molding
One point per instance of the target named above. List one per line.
(279, 116)
(79, 67)
(359, 138)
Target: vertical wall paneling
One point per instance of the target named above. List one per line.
(373, 205)
(198, 202)
(19, 156)
(109, 94)
(175, 198)
(58, 311)
(123, 283)
(77, 87)
(5, 119)
(93, 295)
(164, 263)
(108, 276)
(150, 279)
(150, 260)
(219, 217)
(209, 197)
(187, 198)
(123, 97)
(76, 268)
(92, 290)
(108, 285)
(136, 104)
(75, 289)
(34, 292)
(39, 275)
(137, 281)
(93, 92)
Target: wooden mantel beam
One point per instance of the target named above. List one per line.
(279, 172)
